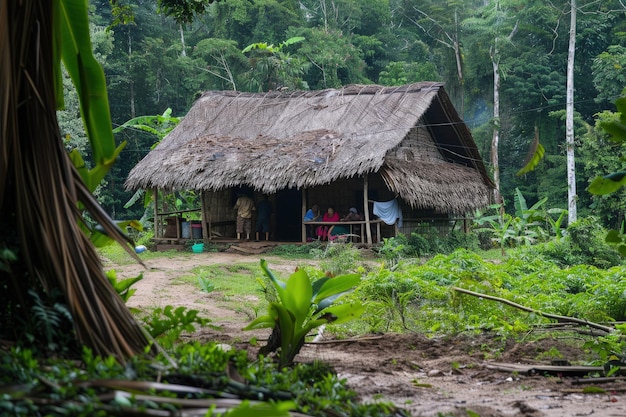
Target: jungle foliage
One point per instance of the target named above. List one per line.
(156, 61)
(171, 51)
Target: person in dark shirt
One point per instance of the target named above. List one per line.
(264, 211)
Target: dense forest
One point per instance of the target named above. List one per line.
(156, 59)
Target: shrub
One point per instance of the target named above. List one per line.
(338, 258)
(296, 251)
(415, 245)
(584, 244)
(588, 239)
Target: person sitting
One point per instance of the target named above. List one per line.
(312, 215)
(330, 216)
(339, 230)
(353, 215)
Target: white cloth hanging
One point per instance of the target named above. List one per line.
(388, 211)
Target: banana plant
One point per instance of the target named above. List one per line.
(614, 182)
(556, 225)
(301, 306)
(74, 48)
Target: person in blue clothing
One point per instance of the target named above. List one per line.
(264, 211)
(312, 215)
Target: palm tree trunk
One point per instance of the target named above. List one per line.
(40, 190)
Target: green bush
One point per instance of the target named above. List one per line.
(338, 258)
(426, 244)
(584, 244)
(296, 251)
(588, 239)
(418, 297)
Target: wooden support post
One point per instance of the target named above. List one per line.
(206, 217)
(158, 228)
(366, 210)
(304, 209)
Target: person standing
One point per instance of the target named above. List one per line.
(264, 211)
(244, 207)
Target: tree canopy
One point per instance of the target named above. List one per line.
(173, 50)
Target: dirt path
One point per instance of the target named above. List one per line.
(426, 377)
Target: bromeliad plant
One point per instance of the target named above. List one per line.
(301, 306)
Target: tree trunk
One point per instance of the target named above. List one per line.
(40, 192)
(495, 139)
(130, 77)
(459, 65)
(182, 40)
(569, 121)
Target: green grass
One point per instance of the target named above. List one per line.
(236, 287)
(115, 254)
(494, 254)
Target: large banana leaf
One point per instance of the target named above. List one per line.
(535, 155)
(88, 78)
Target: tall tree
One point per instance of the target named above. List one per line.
(569, 122)
(441, 23)
(495, 27)
(40, 190)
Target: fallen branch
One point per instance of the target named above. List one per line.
(606, 329)
(598, 380)
(336, 341)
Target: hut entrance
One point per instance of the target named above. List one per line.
(288, 215)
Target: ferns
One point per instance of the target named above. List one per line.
(49, 322)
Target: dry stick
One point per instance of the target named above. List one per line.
(606, 329)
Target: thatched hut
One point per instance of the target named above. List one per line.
(343, 148)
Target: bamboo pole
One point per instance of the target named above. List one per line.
(560, 319)
(366, 210)
(206, 218)
(304, 208)
(158, 228)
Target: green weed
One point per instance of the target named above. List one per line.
(301, 306)
(167, 324)
(338, 258)
(205, 284)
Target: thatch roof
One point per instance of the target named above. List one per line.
(272, 141)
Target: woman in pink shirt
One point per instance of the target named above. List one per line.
(330, 216)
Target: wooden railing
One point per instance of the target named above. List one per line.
(351, 224)
(176, 215)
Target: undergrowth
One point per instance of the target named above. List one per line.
(578, 276)
(419, 297)
(289, 251)
(60, 388)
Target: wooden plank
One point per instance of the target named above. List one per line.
(366, 210)
(206, 219)
(158, 228)
(304, 209)
(166, 246)
(544, 369)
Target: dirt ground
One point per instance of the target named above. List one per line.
(425, 377)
